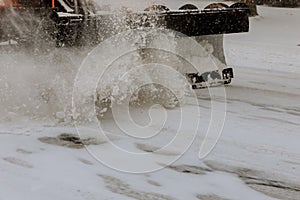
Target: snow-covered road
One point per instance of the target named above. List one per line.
(257, 156)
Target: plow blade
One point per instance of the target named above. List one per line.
(188, 22)
(208, 23)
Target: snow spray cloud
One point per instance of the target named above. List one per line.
(37, 86)
(156, 70)
(36, 78)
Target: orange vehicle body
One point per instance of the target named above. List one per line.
(9, 3)
(16, 4)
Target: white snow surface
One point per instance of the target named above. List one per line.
(260, 138)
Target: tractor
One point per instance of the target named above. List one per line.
(69, 23)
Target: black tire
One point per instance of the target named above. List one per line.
(246, 7)
(157, 8)
(188, 7)
(216, 6)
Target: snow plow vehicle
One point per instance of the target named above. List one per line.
(65, 23)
